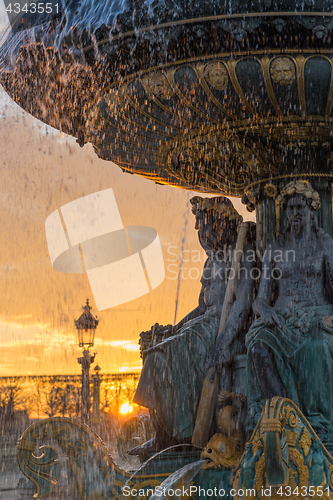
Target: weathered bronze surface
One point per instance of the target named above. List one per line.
(174, 369)
(290, 347)
(229, 98)
(284, 457)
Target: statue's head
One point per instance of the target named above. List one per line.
(302, 189)
(216, 221)
(248, 447)
(316, 445)
(300, 201)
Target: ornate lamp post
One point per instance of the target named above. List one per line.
(86, 326)
(96, 393)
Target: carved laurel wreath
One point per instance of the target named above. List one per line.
(302, 188)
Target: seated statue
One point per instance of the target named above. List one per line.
(290, 346)
(174, 368)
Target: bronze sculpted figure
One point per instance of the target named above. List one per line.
(174, 369)
(319, 471)
(247, 474)
(290, 346)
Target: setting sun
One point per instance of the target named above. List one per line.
(126, 408)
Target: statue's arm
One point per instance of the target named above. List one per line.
(266, 282)
(237, 316)
(262, 305)
(241, 306)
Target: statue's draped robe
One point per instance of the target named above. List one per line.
(174, 370)
(173, 374)
(303, 353)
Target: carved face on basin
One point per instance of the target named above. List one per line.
(216, 75)
(159, 86)
(298, 213)
(283, 71)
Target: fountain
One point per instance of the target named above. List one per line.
(232, 98)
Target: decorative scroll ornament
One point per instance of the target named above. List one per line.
(216, 75)
(305, 441)
(284, 457)
(320, 26)
(302, 188)
(283, 71)
(134, 431)
(88, 462)
(214, 158)
(239, 29)
(271, 190)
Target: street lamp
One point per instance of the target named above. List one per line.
(86, 326)
(96, 393)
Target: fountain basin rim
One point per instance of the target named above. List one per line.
(193, 20)
(288, 178)
(163, 146)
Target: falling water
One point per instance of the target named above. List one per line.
(10, 44)
(82, 22)
(178, 480)
(180, 274)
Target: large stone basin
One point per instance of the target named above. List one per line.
(209, 96)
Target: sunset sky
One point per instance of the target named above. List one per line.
(41, 170)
